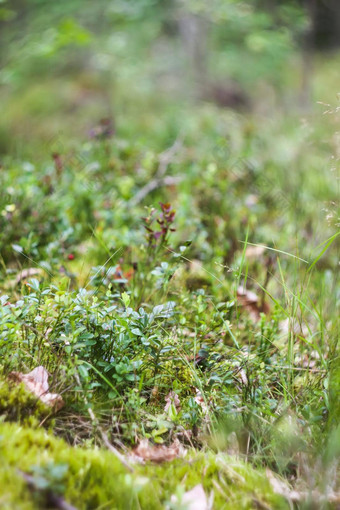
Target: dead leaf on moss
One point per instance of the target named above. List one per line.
(27, 273)
(195, 499)
(160, 453)
(172, 399)
(36, 382)
(251, 302)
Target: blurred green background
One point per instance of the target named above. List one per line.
(66, 64)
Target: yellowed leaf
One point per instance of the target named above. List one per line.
(250, 302)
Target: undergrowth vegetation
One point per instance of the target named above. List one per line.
(176, 276)
(125, 304)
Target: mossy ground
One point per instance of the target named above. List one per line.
(95, 478)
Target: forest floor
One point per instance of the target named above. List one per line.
(168, 303)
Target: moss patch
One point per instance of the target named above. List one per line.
(94, 478)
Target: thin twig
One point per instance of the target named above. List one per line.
(151, 186)
(159, 180)
(166, 157)
(114, 450)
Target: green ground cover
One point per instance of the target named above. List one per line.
(123, 256)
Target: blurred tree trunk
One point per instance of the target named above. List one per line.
(193, 31)
(308, 46)
(326, 23)
(194, 34)
(323, 33)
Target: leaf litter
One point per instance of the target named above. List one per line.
(36, 382)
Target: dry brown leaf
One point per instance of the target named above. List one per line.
(201, 402)
(36, 382)
(27, 273)
(155, 393)
(246, 297)
(195, 265)
(195, 499)
(172, 398)
(243, 377)
(159, 453)
(251, 302)
(294, 326)
(252, 252)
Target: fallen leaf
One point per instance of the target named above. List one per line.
(172, 399)
(246, 297)
(160, 453)
(250, 302)
(293, 326)
(27, 273)
(243, 377)
(252, 252)
(155, 393)
(201, 402)
(36, 382)
(195, 499)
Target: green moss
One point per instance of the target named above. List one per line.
(17, 404)
(95, 478)
(235, 484)
(179, 371)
